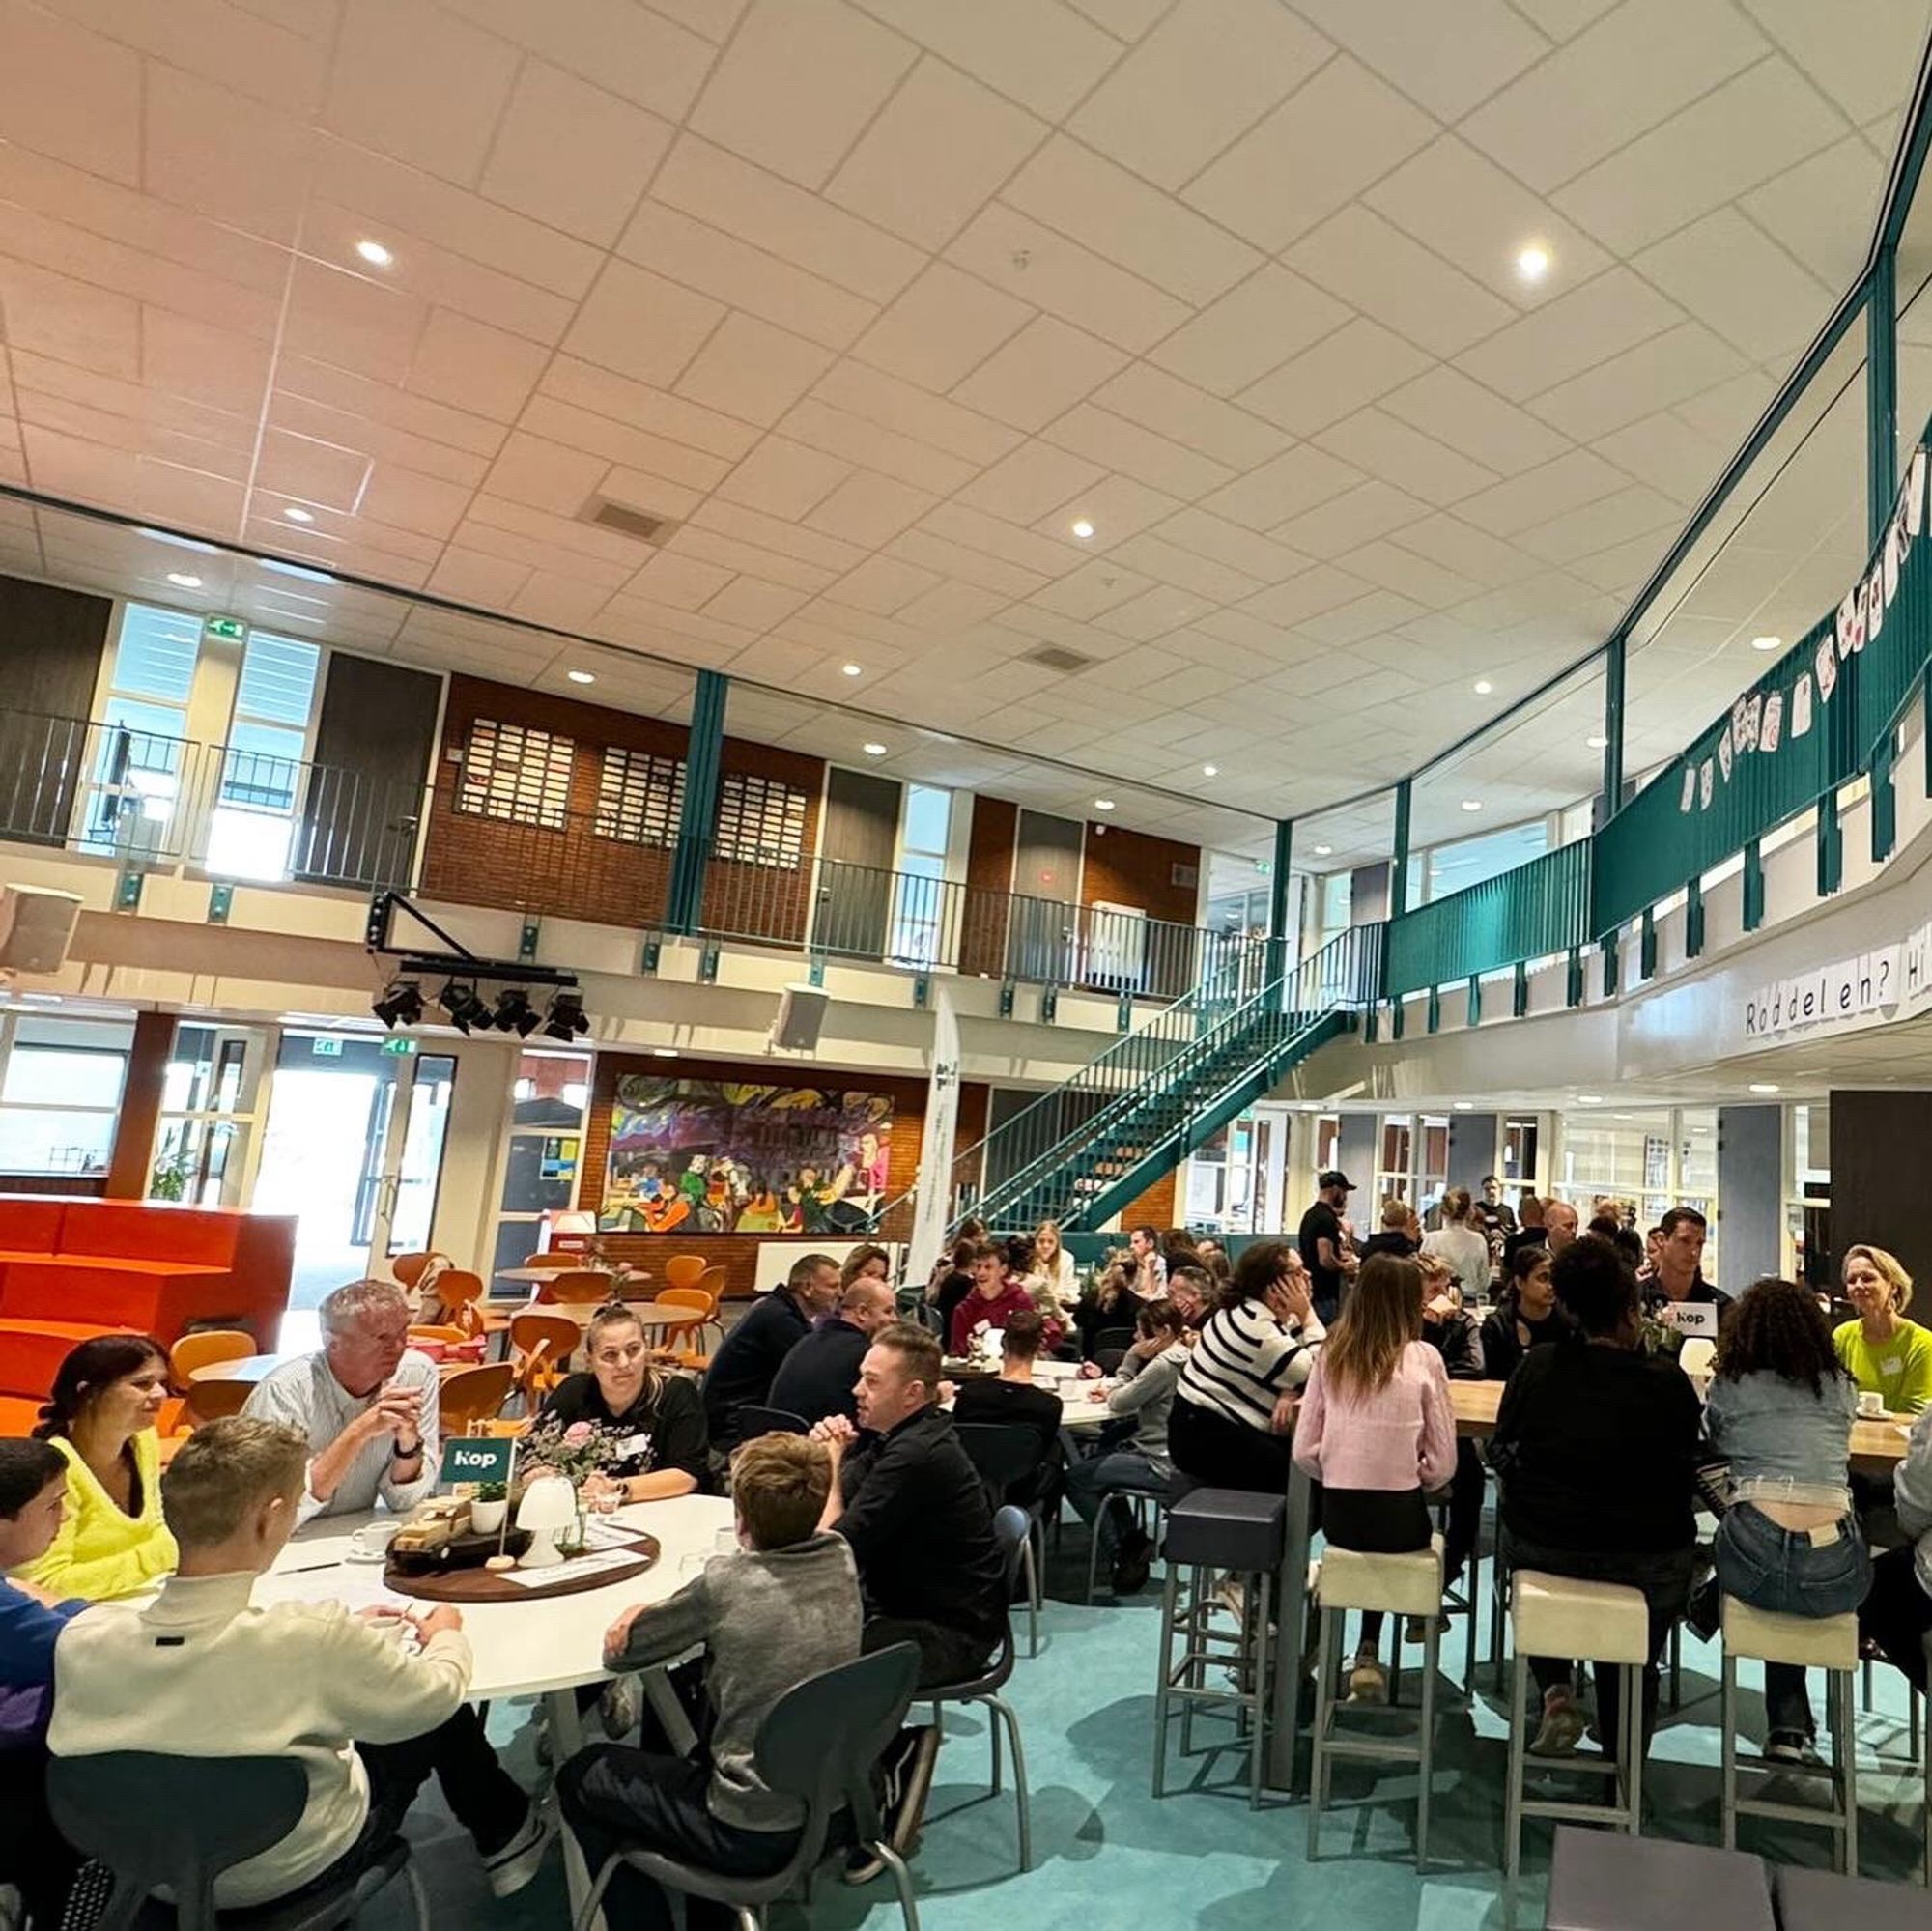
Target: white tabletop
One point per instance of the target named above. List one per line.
(522, 1649)
(1076, 1410)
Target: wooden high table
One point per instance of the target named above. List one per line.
(1877, 1448)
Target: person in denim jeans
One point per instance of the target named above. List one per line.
(1780, 1411)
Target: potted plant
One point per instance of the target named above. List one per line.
(489, 1505)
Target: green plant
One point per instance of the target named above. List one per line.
(492, 1492)
(169, 1179)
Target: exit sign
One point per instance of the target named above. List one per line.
(401, 1046)
(230, 629)
(325, 1047)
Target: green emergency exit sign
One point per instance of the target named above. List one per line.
(231, 630)
(401, 1047)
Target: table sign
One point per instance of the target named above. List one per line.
(1690, 1318)
(478, 1458)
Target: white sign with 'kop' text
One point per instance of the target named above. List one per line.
(1829, 995)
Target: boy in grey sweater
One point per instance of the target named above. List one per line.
(786, 1607)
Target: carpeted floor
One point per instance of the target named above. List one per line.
(1107, 1855)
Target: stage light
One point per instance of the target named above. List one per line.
(565, 1018)
(466, 1011)
(515, 1012)
(400, 1004)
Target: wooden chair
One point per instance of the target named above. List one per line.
(712, 1282)
(450, 1337)
(683, 1270)
(409, 1268)
(475, 1394)
(459, 1294)
(204, 1349)
(557, 1258)
(216, 1401)
(578, 1284)
(541, 1346)
(667, 1354)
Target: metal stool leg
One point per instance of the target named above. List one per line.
(1259, 1617)
(1328, 1666)
(1634, 1721)
(1844, 1744)
(1431, 1650)
(1170, 1596)
(1727, 1721)
(1513, 1807)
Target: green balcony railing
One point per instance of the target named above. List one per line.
(1527, 913)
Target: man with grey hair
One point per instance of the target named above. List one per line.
(366, 1405)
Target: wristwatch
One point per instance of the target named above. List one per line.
(401, 1454)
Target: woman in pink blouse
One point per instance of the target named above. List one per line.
(1376, 1431)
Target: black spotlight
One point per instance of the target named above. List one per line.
(515, 1012)
(565, 1018)
(400, 1004)
(466, 1011)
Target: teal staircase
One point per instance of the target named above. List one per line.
(1083, 1151)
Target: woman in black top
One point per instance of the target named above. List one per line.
(651, 1426)
(1528, 1315)
(1596, 1452)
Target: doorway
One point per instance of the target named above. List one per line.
(353, 1150)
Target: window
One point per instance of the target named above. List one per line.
(760, 821)
(512, 771)
(1452, 867)
(640, 797)
(262, 763)
(60, 1091)
(550, 1104)
(919, 893)
(135, 781)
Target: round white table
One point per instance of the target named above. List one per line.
(257, 1366)
(535, 1277)
(544, 1648)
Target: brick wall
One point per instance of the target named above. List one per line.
(737, 1253)
(571, 872)
(989, 878)
(1155, 1208)
(1128, 867)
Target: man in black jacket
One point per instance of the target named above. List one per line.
(742, 1369)
(820, 1375)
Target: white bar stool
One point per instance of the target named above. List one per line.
(1400, 1585)
(1830, 1643)
(1594, 1622)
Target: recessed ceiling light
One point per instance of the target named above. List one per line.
(374, 254)
(1472, 803)
(1596, 743)
(665, 1051)
(1764, 1085)
(1767, 644)
(1533, 262)
(1103, 804)
(1589, 1099)
(873, 750)
(1465, 1106)
(852, 669)
(183, 579)
(1210, 771)
(295, 514)
(1324, 851)
(1082, 528)
(580, 676)
(1483, 687)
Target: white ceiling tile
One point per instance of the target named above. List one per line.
(1037, 51)
(798, 83)
(1638, 511)
(638, 325)
(413, 82)
(1537, 495)
(721, 265)
(997, 536)
(1034, 481)
(1726, 412)
(1315, 591)
(750, 370)
(942, 146)
(1118, 507)
(1855, 61)
(629, 49)
(783, 479)
(474, 576)
(1360, 515)
(1446, 58)
(770, 213)
(571, 154)
(1201, 578)
(1822, 208)
(1738, 136)
(1151, 614)
(1344, 130)
(951, 606)
(1666, 369)
(684, 583)
(1379, 445)
(1729, 273)
(1666, 453)
(1366, 617)
(1356, 364)
(1580, 328)
(1389, 566)
(871, 509)
(471, 365)
(1293, 482)
(878, 397)
(1095, 588)
(603, 393)
(351, 321)
(545, 475)
(965, 564)
(1227, 543)
(1251, 329)
(311, 472)
(402, 500)
(1210, 69)
(732, 552)
(1447, 404)
(941, 328)
(1033, 263)
(225, 157)
(70, 94)
(1609, 84)
(884, 585)
(756, 604)
(1560, 19)
(388, 407)
(1371, 264)
(1044, 370)
(1078, 192)
(1133, 451)
(813, 546)
(1183, 414)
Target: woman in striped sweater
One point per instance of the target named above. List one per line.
(1234, 1405)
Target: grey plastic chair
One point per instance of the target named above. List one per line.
(754, 1421)
(180, 1821)
(1010, 1526)
(819, 1745)
(1002, 1454)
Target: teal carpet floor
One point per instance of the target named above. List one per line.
(1106, 1854)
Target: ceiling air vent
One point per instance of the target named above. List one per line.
(1056, 657)
(639, 524)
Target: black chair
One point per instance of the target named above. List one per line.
(179, 1821)
(819, 1745)
(1012, 1527)
(754, 1421)
(1005, 1454)
(1109, 1346)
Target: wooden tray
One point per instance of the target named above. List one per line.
(492, 1585)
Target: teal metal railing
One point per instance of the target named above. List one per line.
(1528, 913)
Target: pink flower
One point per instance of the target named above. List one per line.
(578, 1434)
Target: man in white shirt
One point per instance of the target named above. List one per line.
(366, 1405)
(201, 1672)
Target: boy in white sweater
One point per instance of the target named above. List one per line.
(202, 1672)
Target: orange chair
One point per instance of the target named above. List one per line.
(450, 1337)
(588, 1285)
(667, 1354)
(409, 1268)
(459, 1296)
(475, 1394)
(204, 1349)
(683, 1270)
(541, 1346)
(214, 1401)
(712, 1282)
(557, 1258)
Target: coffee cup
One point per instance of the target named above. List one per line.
(1871, 1405)
(371, 1541)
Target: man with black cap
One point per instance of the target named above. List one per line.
(1324, 1249)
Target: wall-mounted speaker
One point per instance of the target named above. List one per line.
(801, 1015)
(36, 928)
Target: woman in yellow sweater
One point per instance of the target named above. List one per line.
(1883, 1353)
(112, 1541)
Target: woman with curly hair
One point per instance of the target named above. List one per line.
(1780, 1411)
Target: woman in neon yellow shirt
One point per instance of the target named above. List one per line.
(112, 1541)
(1883, 1353)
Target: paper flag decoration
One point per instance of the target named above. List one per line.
(1828, 666)
(1801, 706)
(1706, 782)
(1689, 797)
(1725, 752)
(1770, 726)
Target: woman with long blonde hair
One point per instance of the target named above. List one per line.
(1881, 1352)
(1054, 1264)
(1377, 1431)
